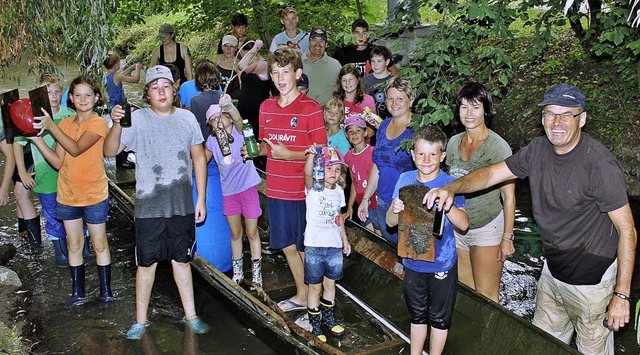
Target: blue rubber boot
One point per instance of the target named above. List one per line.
(314, 323)
(104, 273)
(77, 291)
(61, 252)
(329, 317)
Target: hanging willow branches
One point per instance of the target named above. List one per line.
(42, 32)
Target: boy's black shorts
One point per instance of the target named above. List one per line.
(431, 296)
(160, 239)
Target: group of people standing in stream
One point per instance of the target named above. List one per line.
(356, 111)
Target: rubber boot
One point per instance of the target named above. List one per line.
(104, 273)
(61, 251)
(22, 228)
(77, 289)
(329, 317)
(314, 324)
(238, 272)
(34, 233)
(256, 271)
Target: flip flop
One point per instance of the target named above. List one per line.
(288, 306)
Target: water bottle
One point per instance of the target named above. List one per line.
(249, 139)
(125, 121)
(318, 170)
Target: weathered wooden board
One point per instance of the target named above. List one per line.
(415, 226)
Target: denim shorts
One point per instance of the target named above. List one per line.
(379, 219)
(320, 263)
(94, 214)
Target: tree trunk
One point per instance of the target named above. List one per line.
(259, 13)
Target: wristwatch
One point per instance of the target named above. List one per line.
(508, 236)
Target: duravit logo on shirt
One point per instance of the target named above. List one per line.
(282, 137)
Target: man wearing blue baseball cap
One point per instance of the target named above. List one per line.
(580, 203)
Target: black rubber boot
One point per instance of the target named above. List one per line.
(22, 228)
(314, 323)
(77, 290)
(104, 273)
(329, 317)
(34, 233)
(61, 251)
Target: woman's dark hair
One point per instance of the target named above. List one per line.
(476, 92)
(84, 79)
(207, 76)
(339, 92)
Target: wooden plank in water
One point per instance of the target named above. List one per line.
(375, 252)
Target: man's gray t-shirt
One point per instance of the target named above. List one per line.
(571, 195)
(163, 161)
(482, 206)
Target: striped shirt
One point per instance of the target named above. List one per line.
(297, 126)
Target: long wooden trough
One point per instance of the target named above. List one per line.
(370, 303)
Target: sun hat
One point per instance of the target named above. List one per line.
(355, 119)
(158, 72)
(332, 156)
(564, 95)
(213, 109)
(230, 39)
(166, 30)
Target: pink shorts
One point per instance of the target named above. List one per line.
(246, 202)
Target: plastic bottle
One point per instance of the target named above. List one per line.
(318, 170)
(249, 139)
(125, 121)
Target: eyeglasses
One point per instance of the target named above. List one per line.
(548, 115)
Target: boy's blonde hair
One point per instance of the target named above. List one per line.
(48, 79)
(432, 134)
(334, 103)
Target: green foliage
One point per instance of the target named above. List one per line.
(458, 51)
(73, 30)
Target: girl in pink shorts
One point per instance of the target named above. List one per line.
(239, 184)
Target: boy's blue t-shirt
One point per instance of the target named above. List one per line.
(446, 255)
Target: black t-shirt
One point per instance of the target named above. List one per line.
(252, 93)
(571, 195)
(361, 59)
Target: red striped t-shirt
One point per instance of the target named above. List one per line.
(297, 126)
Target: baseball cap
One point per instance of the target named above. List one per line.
(165, 30)
(213, 109)
(318, 32)
(158, 72)
(355, 119)
(303, 81)
(564, 95)
(230, 39)
(332, 156)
